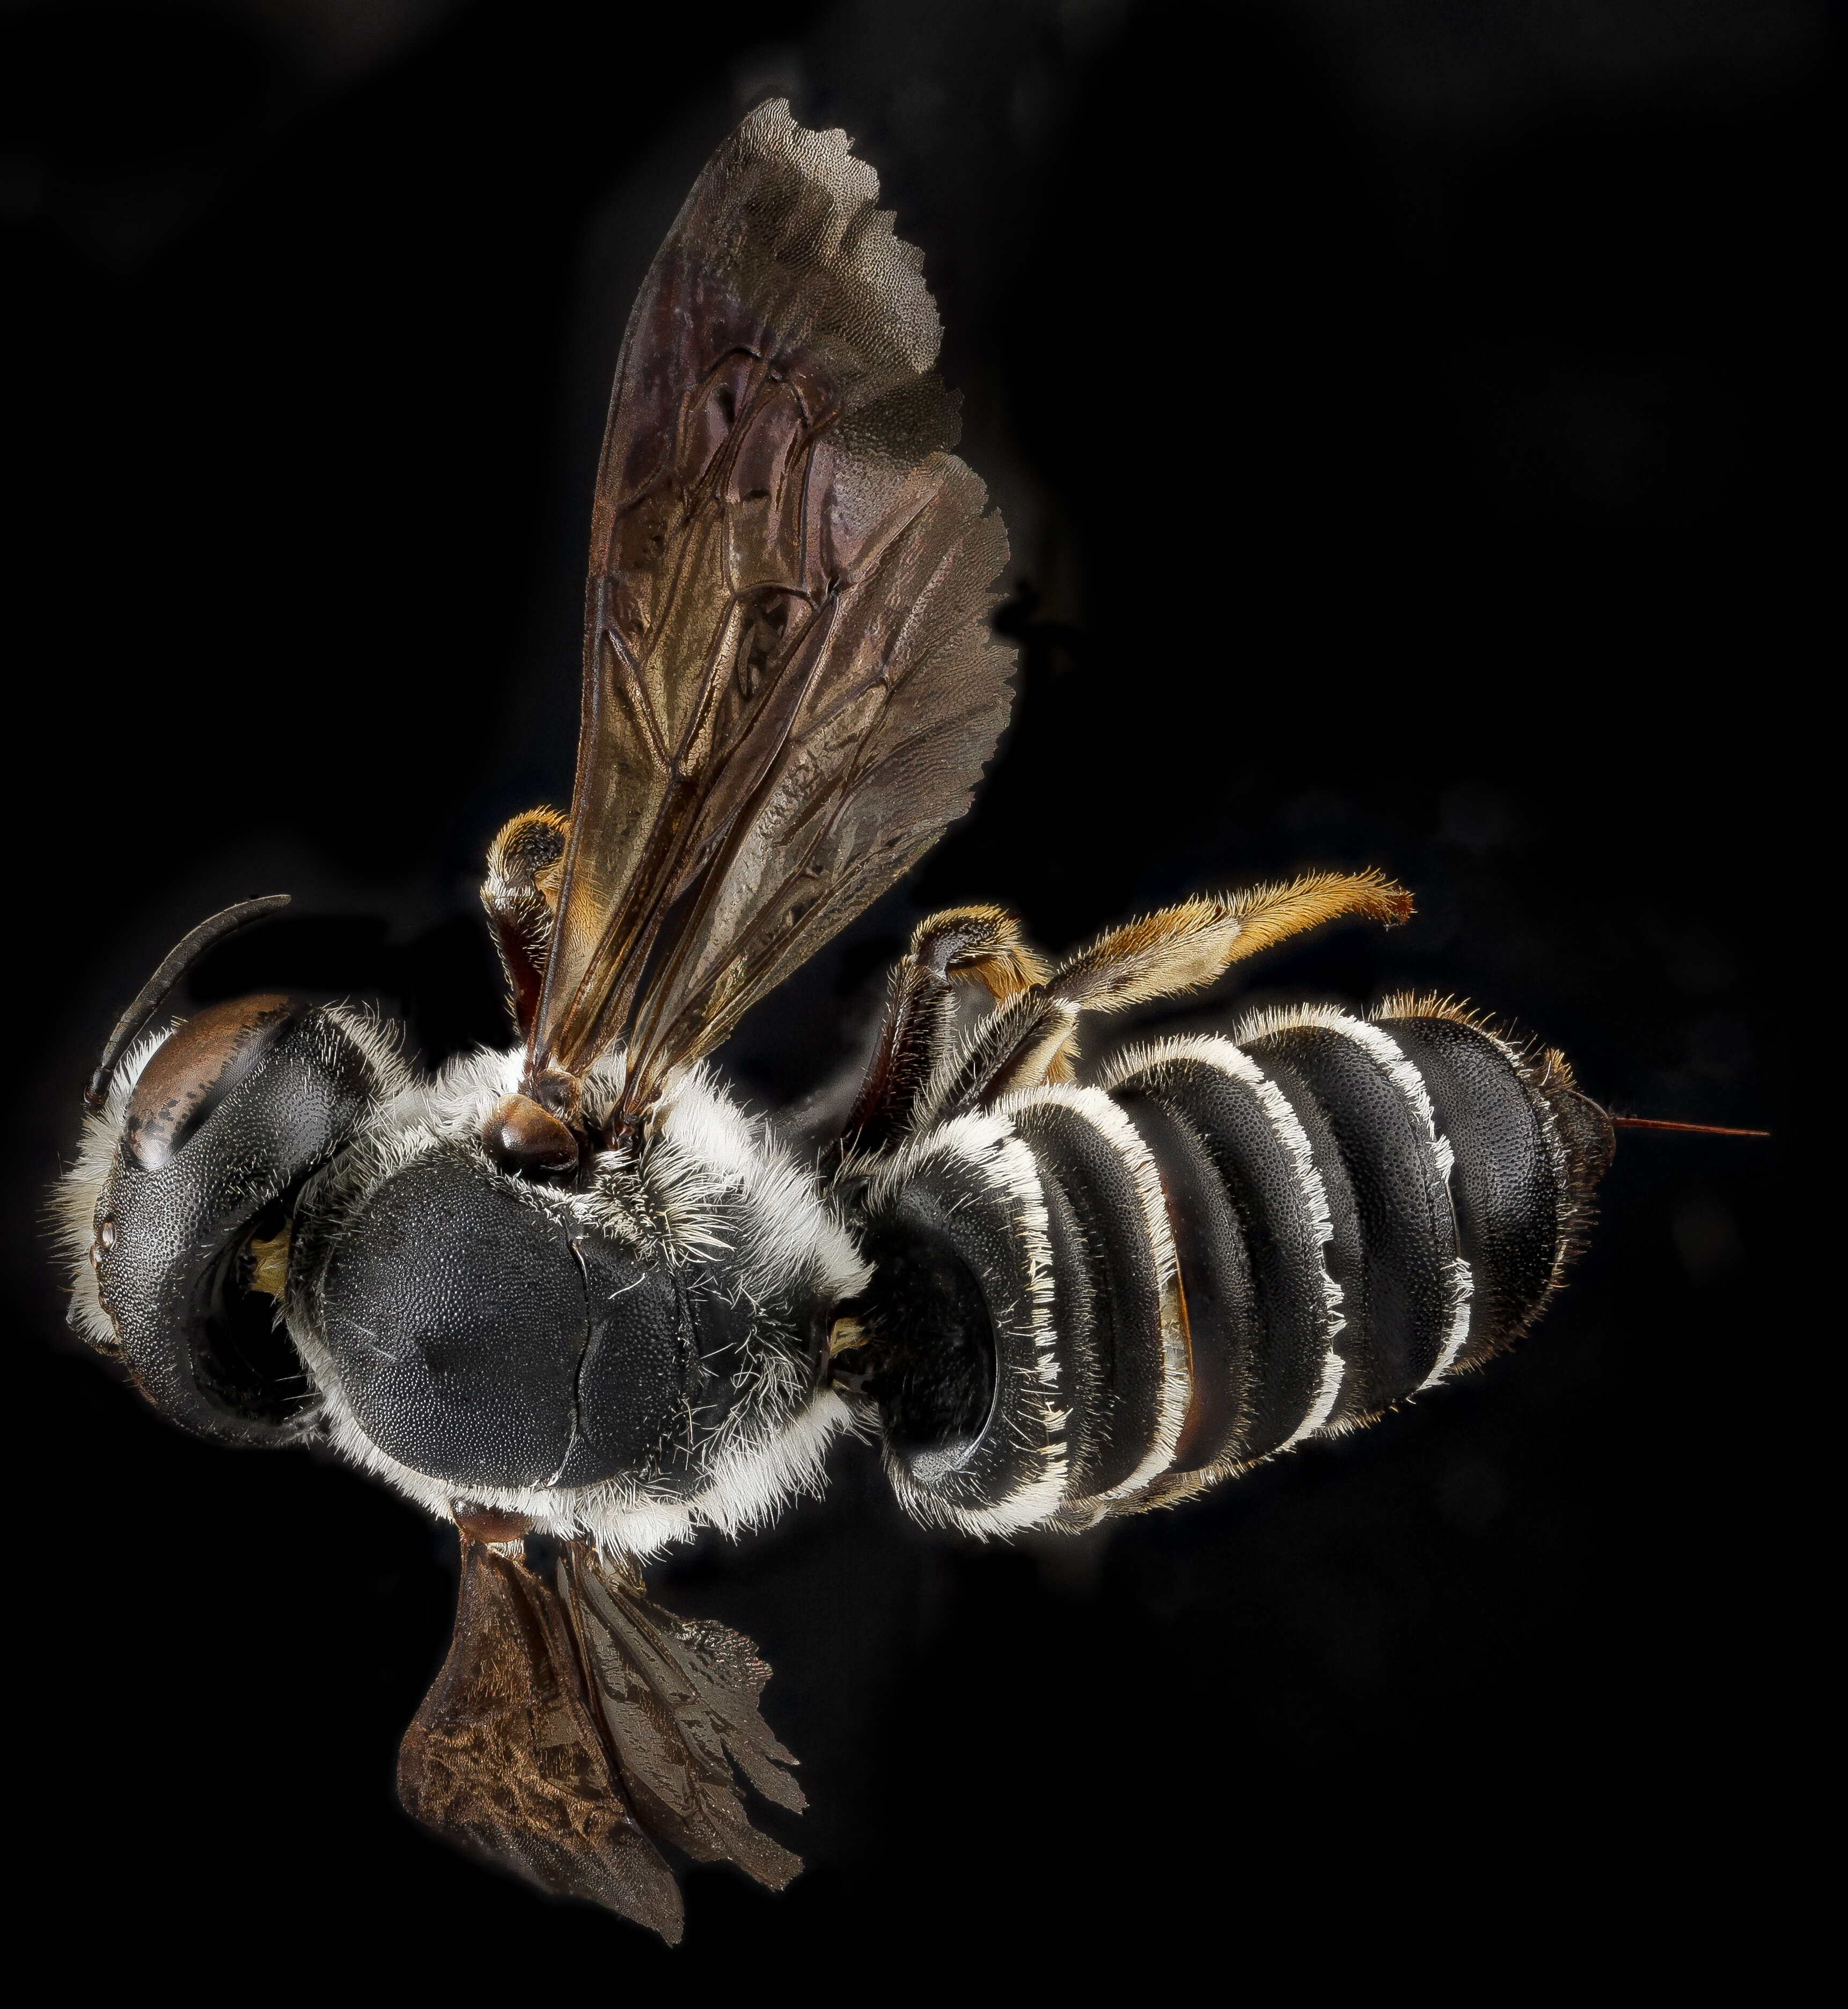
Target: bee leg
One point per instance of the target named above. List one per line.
(1028, 1039)
(1020, 1044)
(961, 945)
(1180, 948)
(518, 893)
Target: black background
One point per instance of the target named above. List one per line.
(1407, 418)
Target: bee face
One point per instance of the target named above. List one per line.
(185, 1196)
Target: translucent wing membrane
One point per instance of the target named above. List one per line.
(575, 1725)
(789, 685)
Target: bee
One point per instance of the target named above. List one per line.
(572, 1299)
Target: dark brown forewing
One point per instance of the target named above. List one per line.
(679, 1705)
(506, 1759)
(789, 685)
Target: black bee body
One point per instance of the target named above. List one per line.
(573, 1300)
(1223, 1248)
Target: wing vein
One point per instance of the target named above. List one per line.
(794, 573)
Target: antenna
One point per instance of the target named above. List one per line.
(153, 994)
(1693, 1129)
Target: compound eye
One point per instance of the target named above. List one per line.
(197, 1066)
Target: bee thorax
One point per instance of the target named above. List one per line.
(623, 1348)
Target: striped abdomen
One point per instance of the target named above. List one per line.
(1090, 1300)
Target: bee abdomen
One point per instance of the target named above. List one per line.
(974, 1388)
(1221, 1132)
(1240, 1242)
(1407, 1289)
(1115, 1294)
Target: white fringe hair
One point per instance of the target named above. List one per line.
(1213, 1049)
(1373, 1040)
(78, 1195)
(1094, 1107)
(710, 1181)
(984, 1140)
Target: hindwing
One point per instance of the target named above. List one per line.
(574, 1725)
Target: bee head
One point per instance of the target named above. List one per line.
(178, 1214)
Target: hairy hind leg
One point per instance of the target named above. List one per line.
(1030, 1038)
(960, 945)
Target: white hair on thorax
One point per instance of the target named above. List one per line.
(710, 1183)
